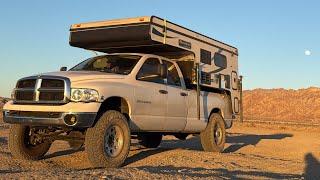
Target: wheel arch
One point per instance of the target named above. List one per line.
(116, 103)
(217, 110)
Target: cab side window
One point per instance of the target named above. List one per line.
(150, 71)
(172, 76)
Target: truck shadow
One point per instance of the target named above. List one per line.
(216, 173)
(239, 141)
(192, 143)
(144, 154)
(3, 141)
(312, 167)
(62, 153)
(236, 141)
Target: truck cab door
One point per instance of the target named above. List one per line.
(150, 97)
(176, 116)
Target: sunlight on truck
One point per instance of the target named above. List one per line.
(156, 78)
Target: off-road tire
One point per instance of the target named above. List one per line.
(78, 144)
(95, 140)
(19, 146)
(150, 140)
(208, 136)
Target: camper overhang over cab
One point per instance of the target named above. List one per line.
(206, 63)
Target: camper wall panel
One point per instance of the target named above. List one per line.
(177, 29)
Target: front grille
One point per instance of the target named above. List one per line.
(28, 83)
(35, 114)
(51, 96)
(52, 83)
(24, 95)
(42, 90)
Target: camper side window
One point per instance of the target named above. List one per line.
(220, 60)
(150, 71)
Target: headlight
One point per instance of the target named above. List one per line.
(84, 95)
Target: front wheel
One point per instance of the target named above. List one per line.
(214, 136)
(107, 144)
(27, 143)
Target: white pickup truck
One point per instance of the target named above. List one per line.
(106, 100)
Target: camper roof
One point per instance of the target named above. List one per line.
(147, 34)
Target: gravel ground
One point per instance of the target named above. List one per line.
(252, 152)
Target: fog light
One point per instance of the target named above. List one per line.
(70, 119)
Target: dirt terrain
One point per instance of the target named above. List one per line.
(252, 151)
(302, 105)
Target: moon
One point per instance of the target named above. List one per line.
(307, 52)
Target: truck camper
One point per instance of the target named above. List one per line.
(154, 78)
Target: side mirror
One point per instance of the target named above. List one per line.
(163, 71)
(63, 69)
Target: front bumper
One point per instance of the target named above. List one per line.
(51, 115)
(84, 120)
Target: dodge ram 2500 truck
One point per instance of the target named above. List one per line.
(156, 78)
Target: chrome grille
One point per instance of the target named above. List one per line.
(25, 95)
(28, 83)
(42, 90)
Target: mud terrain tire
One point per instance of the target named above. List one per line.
(214, 136)
(20, 147)
(107, 144)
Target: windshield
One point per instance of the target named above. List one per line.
(118, 64)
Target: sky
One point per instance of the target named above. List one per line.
(278, 40)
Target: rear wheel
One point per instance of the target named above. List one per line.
(150, 140)
(27, 143)
(214, 136)
(107, 144)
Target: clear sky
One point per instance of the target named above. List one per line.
(272, 35)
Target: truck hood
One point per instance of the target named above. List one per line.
(75, 76)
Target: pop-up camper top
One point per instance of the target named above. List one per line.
(216, 61)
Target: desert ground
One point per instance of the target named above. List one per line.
(253, 151)
(264, 149)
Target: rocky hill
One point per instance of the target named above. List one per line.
(302, 105)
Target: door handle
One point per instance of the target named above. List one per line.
(163, 91)
(183, 94)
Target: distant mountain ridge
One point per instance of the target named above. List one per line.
(301, 105)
